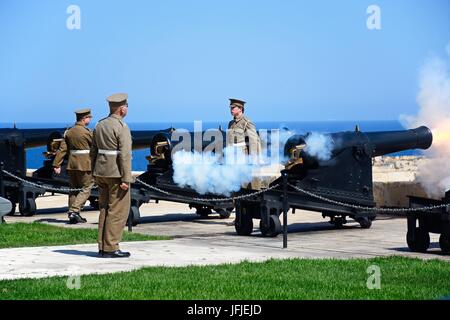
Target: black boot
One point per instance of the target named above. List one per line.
(74, 218)
(116, 254)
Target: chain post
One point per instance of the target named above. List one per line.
(285, 208)
(2, 184)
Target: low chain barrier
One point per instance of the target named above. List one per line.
(244, 196)
(357, 207)
(44, 186)
(229, 199)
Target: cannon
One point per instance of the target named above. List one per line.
(13, 145)
(345, 178)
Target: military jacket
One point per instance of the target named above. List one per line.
(111, 149)
(76, 145)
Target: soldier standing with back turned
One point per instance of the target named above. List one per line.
(111, 158)
(77, 144)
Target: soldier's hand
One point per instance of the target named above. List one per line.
(124, 186)
(57, 170)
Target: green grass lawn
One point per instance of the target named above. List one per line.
(39, 234)
(401, 278)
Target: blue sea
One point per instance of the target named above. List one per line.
(35, 158)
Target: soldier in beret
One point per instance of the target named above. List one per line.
(77, 146)
(111, 159)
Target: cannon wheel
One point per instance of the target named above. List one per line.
(273, 229)
(135, 215)
(224, 213)
(338, 222)
(13, 209)
(364, 222)
(29, 209)
(203, 212)
(419, 241)
(244, 223)
(444, 242)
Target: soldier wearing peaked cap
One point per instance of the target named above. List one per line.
(242, 135)
(242, 131)
(111, 159)
(77, 146)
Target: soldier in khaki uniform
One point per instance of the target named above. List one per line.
(242, 134)
(111, 158)
(77, 145)
(241, 130)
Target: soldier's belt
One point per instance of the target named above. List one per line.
(80, 151)
(240, 144)
(109, 152)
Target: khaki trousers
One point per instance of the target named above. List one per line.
(114, 206)
(85, 181)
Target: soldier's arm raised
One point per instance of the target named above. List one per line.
(124, 155)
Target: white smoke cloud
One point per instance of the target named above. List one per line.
(207, 173)
(319, 145)
(434, 102)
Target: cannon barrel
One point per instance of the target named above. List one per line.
(30, 138)
(394, 141)
(40, 137)
(143, 138)
(371, 144)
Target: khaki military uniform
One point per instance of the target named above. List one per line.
(242, 134)
(77, 145)
(111, 158)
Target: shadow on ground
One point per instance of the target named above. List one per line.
(434, 249)
(93, 254)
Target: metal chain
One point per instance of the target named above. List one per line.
(229, 199)
(244, 196)
(43, 186)
(353, 206)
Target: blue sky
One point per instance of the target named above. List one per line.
(181, 60)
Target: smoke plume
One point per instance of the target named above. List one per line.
(434, 102)
(319, 146)
(208, 173)
(216, 174)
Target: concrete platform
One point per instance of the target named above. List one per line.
(202, 241)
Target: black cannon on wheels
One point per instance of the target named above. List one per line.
(339, 187)
(423, 222)
(13, 145)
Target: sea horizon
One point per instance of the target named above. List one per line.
(35, 156)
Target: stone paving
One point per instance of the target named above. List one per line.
(199, 241)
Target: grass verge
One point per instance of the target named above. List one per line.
(40, 234)
(401, 278)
